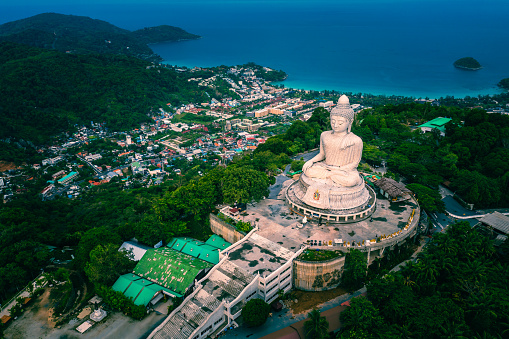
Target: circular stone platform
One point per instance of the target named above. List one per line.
(294, 195)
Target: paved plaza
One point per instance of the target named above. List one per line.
(276, 222)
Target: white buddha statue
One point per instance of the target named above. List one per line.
(340, 150)
(330, 180)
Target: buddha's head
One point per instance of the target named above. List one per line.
(341, 116)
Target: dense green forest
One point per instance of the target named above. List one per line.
(473, 156)
(152, 35)
(79, 34)
(47, 92)
(107, 214)
(457, 288)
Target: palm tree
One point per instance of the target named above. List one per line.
(452, 331)
(317, 326)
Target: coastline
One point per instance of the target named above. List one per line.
(168, 41)
(308, 86)
(302, 85)
(298, 82)
(468, 68)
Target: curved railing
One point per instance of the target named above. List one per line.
(390, 240)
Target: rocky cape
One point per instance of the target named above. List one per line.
(81, 35)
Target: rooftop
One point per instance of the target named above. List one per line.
(276, 222)
(218, 242)
(259, 255)
(437, 123)
(392, 187)
(498, 221)
(137, 249)
(224, 284)
(171, 269)
(198, 249)
(70, 175)
(140, 290)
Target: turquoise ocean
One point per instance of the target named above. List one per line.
(393, 47)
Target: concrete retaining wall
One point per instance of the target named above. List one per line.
(317, 276)
(225, 230)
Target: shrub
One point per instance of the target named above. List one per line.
(243, 226)
(255, 312)
(118, 301)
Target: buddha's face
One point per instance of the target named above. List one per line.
(339, 124)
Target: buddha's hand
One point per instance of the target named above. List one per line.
(307, 165)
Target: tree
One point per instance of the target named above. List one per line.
(107, 263)
(321, 117)
(255, 312)
(243, 184)
(477, 188)
(92, 238)
(151, 230)
(434, 317)
(361, 315)
(316, 327)
(275, 144)
(392, 296)
(429, 199)
(297, 165)
(373, 155)
(355, 270)
(13, 275)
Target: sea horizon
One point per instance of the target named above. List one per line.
(402, 48)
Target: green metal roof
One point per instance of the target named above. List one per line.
(139, 289)
(218, 242)
(195, 248)
(133, 290)
(177, 243)
(123, 282)
(437, 123)
(171, 269)
(147, 293)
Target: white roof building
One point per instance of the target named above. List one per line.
(137, 249)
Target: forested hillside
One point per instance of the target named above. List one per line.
(79, 34)
(152, 35)
(456, 289)
(473, 156)
(107, 214)
(47, 92)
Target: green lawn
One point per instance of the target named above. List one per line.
(193, 118)
(321, 255)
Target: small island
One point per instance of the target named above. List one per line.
(468, 63)
(504, 83)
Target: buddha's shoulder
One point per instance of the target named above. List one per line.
(353, 138)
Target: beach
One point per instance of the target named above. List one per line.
(380, 47)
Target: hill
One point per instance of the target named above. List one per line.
(152, 35)
(468, 63)
(79, 34)
(45, 92)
